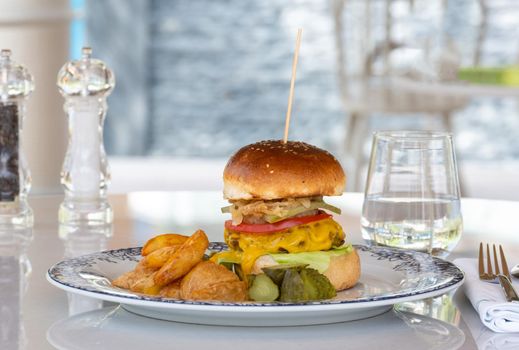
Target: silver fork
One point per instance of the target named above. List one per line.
(496, 277)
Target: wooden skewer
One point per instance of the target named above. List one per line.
(292, 83)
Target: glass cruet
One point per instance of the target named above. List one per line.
(85, 84)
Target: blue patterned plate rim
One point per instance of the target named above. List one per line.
(66, 275)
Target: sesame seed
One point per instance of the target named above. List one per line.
(268, 165)
(272, 171)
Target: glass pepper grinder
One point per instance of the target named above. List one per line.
(16, 84)
(85, 85)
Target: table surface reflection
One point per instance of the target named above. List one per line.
(48, 318)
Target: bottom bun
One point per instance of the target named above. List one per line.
(344, 270)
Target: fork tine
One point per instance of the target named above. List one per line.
(489, 261)
(495, 260)
(480, 260)
(491, 277)
(504, 265)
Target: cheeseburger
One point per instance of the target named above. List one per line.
(276, 192)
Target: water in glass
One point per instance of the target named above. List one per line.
(412, 193)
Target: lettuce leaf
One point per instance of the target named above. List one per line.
(319, 260)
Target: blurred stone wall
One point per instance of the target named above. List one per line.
(202, 77)
(118, 31)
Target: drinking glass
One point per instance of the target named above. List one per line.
(412, 197)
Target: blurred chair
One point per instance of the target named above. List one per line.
(392, 61)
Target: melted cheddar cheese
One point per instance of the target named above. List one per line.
(247, 247)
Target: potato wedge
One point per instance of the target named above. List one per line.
(126, 280)
(205, 274)
(164, 240)
(146, 285)
(171, 290)
(210, 281)
(159, 257)
(143, 268)
(228, 291)
(184, 259)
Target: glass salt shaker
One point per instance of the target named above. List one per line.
(85, 85)
(16, 84)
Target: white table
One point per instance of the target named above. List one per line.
(44, 312)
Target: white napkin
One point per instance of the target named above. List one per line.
(489, 300)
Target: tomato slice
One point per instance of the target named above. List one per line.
(277, 226)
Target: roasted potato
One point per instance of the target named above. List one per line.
(164, 240)
(126, 280)
(210, 281)
(227, 291)
(205, 274)
(159, 257)
(173, 267)
(183, 260)
(129, 278)
(171, 290)
(146, 285)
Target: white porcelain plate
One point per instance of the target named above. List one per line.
(389, 276)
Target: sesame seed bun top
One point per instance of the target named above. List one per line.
(275, 170)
